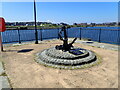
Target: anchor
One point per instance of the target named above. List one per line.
(67, 46)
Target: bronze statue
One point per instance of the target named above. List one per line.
(66, 46)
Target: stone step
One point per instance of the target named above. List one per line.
(66, 67)
(46, 59)
(52, 52)
(56, 61)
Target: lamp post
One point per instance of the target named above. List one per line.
(36, 33)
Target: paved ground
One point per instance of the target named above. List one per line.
(99, 45)
(24, 72)
(4, 82)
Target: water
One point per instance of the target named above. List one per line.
(106, 36)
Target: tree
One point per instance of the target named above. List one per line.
(74, 23)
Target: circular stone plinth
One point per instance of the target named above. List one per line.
(66, 60)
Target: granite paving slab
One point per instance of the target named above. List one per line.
(100, 45)
(4, 84)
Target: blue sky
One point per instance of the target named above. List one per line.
(57, 12)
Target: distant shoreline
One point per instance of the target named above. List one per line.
(40, 28)
(27, 28)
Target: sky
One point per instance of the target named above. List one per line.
(61, 0)
(56, 12)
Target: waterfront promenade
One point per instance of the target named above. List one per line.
(24, 72)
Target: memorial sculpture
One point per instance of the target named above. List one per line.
(66, 56)
(65, 46)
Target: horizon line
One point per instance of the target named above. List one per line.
(63, 22)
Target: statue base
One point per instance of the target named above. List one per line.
(73, 59)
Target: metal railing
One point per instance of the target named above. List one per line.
(100, 35)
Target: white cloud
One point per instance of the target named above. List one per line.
(48, 20)
(60, 0)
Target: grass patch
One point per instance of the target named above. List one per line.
(3, 74)
(3, 64)
(9, 83)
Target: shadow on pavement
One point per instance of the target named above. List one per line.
(24, 50)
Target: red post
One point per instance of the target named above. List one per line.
(1, 45)
(2, 29)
